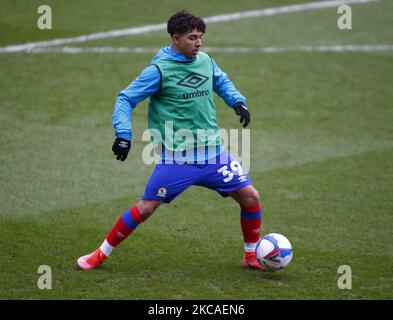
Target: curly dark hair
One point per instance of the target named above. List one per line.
(184, 21)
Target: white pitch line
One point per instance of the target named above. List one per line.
(332, 48)
(283, 9)
(162, 26)
(141, 50)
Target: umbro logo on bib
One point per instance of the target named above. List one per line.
(193, 80)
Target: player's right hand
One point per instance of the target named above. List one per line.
(120, 148)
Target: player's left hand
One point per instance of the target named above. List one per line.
(242, 111)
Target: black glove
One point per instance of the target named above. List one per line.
(120, 148)
(242, 111)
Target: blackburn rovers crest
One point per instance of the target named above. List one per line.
(161, 192)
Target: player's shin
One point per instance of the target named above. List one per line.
(251, 221)
(126, 224)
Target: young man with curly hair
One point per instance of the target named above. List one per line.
(180, 82)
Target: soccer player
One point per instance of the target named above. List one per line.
(180, 82)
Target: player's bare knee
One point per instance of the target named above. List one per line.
(251, 198)
(255, 196)
(147, 208)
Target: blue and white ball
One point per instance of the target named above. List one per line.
(274, 251)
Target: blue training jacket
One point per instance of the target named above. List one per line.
(148, 83)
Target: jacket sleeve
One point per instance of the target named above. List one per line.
(145, 85)
(225, 88)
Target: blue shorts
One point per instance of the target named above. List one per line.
(169, 180)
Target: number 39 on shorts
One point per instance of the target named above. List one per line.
(228, 173)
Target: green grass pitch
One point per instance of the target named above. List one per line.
(321, 140)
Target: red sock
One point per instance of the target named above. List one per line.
(251, 221)
(126, 224)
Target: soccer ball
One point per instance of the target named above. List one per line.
(274, 251)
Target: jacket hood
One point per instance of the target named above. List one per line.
(168, 53)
